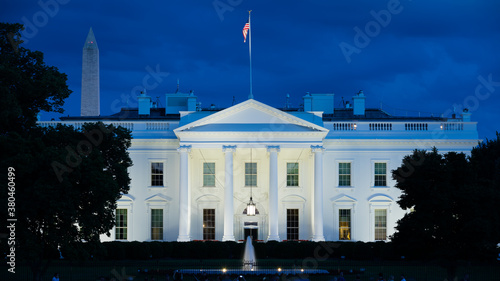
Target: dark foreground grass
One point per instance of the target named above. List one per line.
(158, 269)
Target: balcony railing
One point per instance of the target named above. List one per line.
(416, 126)
(344, 126)
(380, 126)
(399, 127)
(157, 126)
(452, 126)
(349, 128)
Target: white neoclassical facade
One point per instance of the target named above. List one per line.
(314, 173)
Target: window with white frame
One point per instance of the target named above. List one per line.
(344, 207)
(292, 174)
(208, 224)
(344, 224)
(209, 174)
(380, 174)
(345, 174)
(121, 224)
(156, 174)
(380, 224)
(292, 224)
(251, 174)
(156, 224)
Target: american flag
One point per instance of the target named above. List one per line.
(245, 31)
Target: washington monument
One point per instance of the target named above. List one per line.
(90, 77)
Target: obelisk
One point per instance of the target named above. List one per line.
(90, 77)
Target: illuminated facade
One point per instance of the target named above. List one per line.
(314, 172)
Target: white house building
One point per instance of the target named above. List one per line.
(314, 173)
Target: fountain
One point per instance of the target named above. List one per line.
(249, 266)
(249, 260)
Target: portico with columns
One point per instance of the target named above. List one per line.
(266, 138)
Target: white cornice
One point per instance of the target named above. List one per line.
(251, 134)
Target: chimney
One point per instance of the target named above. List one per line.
(359, 103)
(191, 101)
(144, 103)
(307, 102)
(466, 115)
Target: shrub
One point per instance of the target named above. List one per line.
(137, 250)
(114, 250)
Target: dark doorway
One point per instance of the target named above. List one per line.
(252, 232)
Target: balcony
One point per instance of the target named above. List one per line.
(401, 129)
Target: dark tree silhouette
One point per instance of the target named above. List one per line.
(451, 200)
(65, 182)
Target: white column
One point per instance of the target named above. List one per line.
(318, 193)
(273, 193)
(228, 194)
(184, 210)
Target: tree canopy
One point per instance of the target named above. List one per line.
(451, 201)
(63, 183)
(27, 84)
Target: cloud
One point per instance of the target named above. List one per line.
(427, 57)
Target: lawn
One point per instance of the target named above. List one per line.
(157, 269)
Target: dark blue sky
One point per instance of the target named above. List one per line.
(414, 56)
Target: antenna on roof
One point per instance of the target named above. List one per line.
(342, 102)
(234, 100)
(333, 103)
(158, 103)
(177, 86)
(287, 103)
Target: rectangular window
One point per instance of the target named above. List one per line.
(292, 224)
(208, 174)
(344, 224)
(344, 174)
(208, 224)
(380, 174)
(157, 174)
(250, 174)
(121, 224)
(292, 174)
(380, 224)
(156, 224)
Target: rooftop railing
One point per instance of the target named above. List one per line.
(414, 127)
(132, 126)
(349, 127)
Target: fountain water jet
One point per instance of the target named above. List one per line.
(250, 266)
(249, 260)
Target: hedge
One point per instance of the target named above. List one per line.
(135, 250)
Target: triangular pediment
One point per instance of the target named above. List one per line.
(126, 198)
(251, 116)
(158, 198)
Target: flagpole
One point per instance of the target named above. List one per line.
(250, 96)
